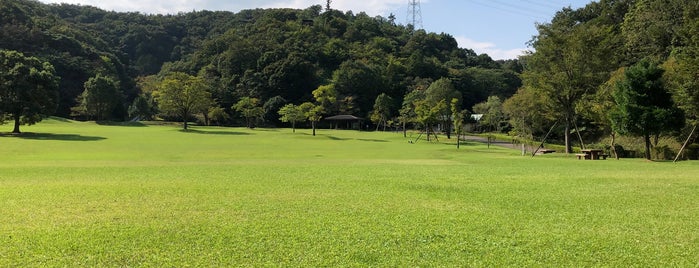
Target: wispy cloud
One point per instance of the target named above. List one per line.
(490, 48)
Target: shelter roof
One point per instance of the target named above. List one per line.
(343, 117)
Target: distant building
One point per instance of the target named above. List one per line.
(472, 126)
(349, 121)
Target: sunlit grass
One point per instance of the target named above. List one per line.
(80, 194)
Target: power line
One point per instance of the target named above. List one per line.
(508, 8)
(546, 4)
(521, 6)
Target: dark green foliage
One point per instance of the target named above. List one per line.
(439, 97)
(382, 110)
(250, 109)
(100, 99)
(27, 88)
(644, 106)
(141, 108)
(271, 108)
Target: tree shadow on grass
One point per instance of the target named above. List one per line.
(120, 124)
(213, 132)
(334, 138)
(331, 137)
(52, 136)
(372, 140)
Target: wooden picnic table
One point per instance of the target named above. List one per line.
(592, 154)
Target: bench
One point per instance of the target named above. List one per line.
(592, 154)
(545, 151)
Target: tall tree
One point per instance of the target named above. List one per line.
(644, 106)
(291, 113)
(407, 110)
(459, 117)
(439, 91)
(382, 110)
(529, 112)
(428, 114)
(313, 113)
(596, 108)
(572, 59)
(28, 88)
(100, 97)
(250, 109)
(182, 95)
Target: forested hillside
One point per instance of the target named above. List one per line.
(281, 55)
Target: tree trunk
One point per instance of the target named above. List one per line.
(656, 138)
(293, 126)
(458, 139)
(17, 116)
(427, 131)
(313, 125)
(646, 137)
(184, 115)
(206, 118)
(569, 148)
(447, 126)
(405, 131)
(616, 155)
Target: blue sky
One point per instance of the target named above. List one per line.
(500, 28)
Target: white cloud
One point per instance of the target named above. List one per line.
(490, 48)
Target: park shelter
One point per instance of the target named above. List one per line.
(345, 121)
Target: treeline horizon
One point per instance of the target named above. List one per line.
(268, 54)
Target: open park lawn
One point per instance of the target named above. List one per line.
(80, 194)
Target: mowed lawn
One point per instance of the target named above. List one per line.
(80, 194)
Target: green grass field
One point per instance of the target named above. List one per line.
(79, 194)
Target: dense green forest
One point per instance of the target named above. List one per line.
(613, 69)
(273, 54)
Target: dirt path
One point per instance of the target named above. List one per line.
(500, 143)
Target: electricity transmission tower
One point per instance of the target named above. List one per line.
(414, 14)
